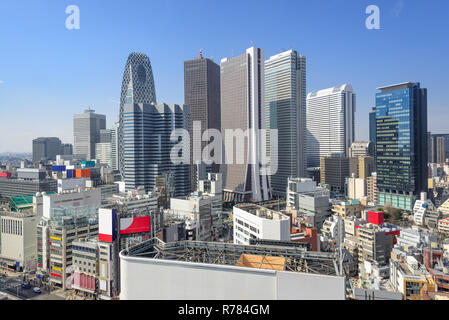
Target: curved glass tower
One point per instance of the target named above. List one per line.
(137, 87)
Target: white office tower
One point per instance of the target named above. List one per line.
(242, 110)
(86, 132)
(114, 145)
(329, 123)
(285, 110)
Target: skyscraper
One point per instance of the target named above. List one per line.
(137, 87)
(147, 145)
(439, 148)
(86, 132)
(329, 123)
(401, 152)
(114, 145)
(242, 108)
(372, 126)
(202, 95)
(285, 110)
(67, 149)
(46, 148)
(103, 149)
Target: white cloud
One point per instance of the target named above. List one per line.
(2, 82)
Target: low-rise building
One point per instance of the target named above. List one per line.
(356, 188)
(304, 198)
(422, 208)
(347, 208)
(252, 221)
(18, 240)
(443, 225)
(55, 234)
(409, 277)
(75, 198)
(371, 187)
(373, 244)
(211, 270)
(95, 265)
(28, 181)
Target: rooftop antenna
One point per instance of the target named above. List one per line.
(232, 51)
(201, 53)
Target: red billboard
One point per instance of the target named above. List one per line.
(134, 225)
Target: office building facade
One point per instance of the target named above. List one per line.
(401, 151)
(137, 87)
(439, 148)
(67, 149)
(114, 146)
(329, 122)
(46, 148)
(147, 145)
(242, 108)
(202, 95)
(372, 127)
(86, 132)
(333, 172)
(285, 110)
(361, 149)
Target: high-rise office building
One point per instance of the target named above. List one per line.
(285, 110)
(242, 108)
(372, 126)
(103, 149)
(46, 148)
(439, 148)
(329, 123)
(147, 145)
(114, 146)
(103, 153)
(401, 151)
(137, 87)
(202, 95)
(429, 147)
(86, 132)
(66, 149)
(334, 170)
(105, 135)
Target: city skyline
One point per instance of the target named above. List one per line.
(52, 87)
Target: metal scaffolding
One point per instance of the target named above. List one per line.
(297, 259)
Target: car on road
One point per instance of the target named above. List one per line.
(26, 285)
(37, 289)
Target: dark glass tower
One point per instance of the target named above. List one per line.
(147, 145)
(372, 126)
(137, 87)
(401, 144)
(202, 95)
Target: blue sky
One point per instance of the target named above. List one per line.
(48, 73)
